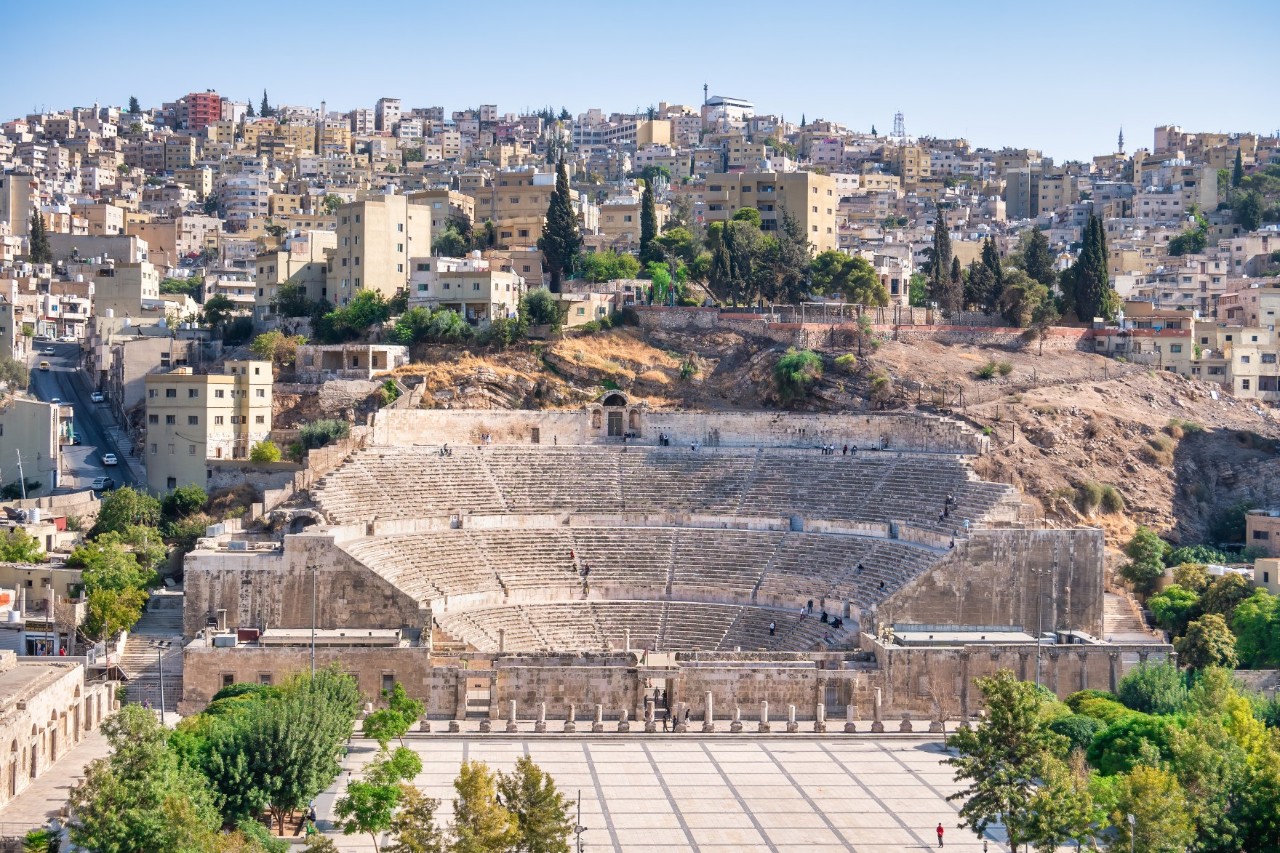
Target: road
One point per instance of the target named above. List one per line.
(64, 381)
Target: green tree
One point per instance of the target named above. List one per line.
(282, 749)
(320, 432)
(413, 826)
(991, 262)
(183, 501)
(1237, 170)
(1225, 593)
(1021, 298)
(540, 809)
(1153, 689)
(679, 242)
(850, 276)
(1159, 807)
(141, 798)
(277, 347)
(979, 285)
(123, 508)
(1173, 607)
(134, 106)
(1247, 213)
(1131, 740)
(786, 262)
(918, 290)
(1001, 759)
(481, 824)
(450, 243)
(1062, 808)
(17, 546)
(266, 110)
(560, 241)
(291, 301)
(1078, 729)
(540, 308)
(1037, 259)
(368, 804)
(749, 215)
(264, 451)
(40, 253)
(648, 226)
(1207, 642)
(1256, 625)
(395, 720)
(942, 289)
(330, 203)
(609, 266)
(365, 310)
(1146, 560)
(1092, 294)
(218, 311)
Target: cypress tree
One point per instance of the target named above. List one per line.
(265, 110)
(560, 241)
(1091, 282)
(249, 112)
(994, 288)
(939, 280)
(1237, 171)
(955, 289)
(1037, 259)
(648, 226)
(134, 106)
(40, 251)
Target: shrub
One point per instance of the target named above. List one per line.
(319, 433)
(1153, 689)
(183, 501)
(1112, 500)
(1158, 451)
(1078, 729)
(1004, 368)
(1130, 741)
(264, 451)
(388, 392)
(796, 372)
(1088, 497)
(987, 371)
(847, 362)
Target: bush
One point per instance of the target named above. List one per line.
(183, 501)
(1078, 729)
(1112, 500)
(1089, 497)
(319, 433)
(796, 372)
(264, 451)
(1153, 689)
(1131, 741)
(1004, 368)
(540, 308)
(388, 392)
(847, 362)
(987, 371)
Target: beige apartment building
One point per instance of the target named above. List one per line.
(620, 221)
(30, 429)
(469, 286)
(808, 196)
(375, 239)
(195, 418)
(303, 261)
(445, 205)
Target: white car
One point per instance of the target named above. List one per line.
(67, 339)
(110, 459)
(97, 397)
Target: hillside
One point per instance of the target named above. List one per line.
(1180, 452)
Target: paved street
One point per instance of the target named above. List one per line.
(779, 793)
(48, 794)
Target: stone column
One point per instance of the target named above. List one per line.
(511, 717)
(792, 725)
(905, 725)
(626, 638)
(486, 726)
(650, 726)
(736, 725)
(571, 722)
(502, 639)
(598, 725)
(541, 725)
(877, 723)
(681, 726)
(764, 717)
(624, 724)
(820, 718)
(850, 713)
(1114, 663)
(709, 716)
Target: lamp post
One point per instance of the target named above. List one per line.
(578, 828)
(314, 569)
(1133, 825)
(160, 661)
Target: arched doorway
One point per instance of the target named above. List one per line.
(615, 404)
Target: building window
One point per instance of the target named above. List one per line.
(1175, 347)
(219, 393)
(193, 420)
(170, 392)
(259, 392)
(1268, 358)
(1244, 384)
(154, 449)
(171, 483)
(388, 681)
(153, 419)
(191, 450)
(260, 419)
(1261, 534)
(217, 420)
(171, 420)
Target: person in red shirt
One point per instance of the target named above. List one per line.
(939, 833)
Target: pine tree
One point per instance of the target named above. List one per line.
(1237, 171)
(560, 241)
(955, 288)
(134, 106)
(802, 121)
(873, 130)
(1089, 279)
(265, 110)
(249, 113)
(649, 251)
(40, 251)
(994, 289)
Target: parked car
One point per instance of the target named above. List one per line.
(44, 365)
(75, 438)
(67, 339)
(97, 397)
(103, 484)
(110, 459)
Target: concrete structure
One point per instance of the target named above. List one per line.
(323, 362)
(808, 196)
(30, 431)
(1262, 531)
(193, 418)
(468, 286)
(375, 239)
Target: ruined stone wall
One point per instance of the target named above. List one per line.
(897, 432)
(274, 589)
(1032, 579)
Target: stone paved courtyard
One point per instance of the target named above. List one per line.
(685, 792)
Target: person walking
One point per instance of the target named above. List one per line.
(773, 627)
(939, 833)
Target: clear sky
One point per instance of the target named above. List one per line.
(1061, 77)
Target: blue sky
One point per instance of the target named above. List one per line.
(1061, 77)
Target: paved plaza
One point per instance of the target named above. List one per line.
(684, 792)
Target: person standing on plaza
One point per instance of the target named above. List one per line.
(939, 833)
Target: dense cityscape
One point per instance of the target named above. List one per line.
(407, 479)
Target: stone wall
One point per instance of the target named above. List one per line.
(1032, 579)
(230, 473)
(922, 682)
(898, 432)
(273, 589)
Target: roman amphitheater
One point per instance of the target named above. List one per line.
(553, 565)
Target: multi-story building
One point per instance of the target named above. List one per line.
(445, 205)
(195, 418)
(302, 262)
(375, 239)
(31, 431)
(807, 196)
(386, 114)
(469, 286)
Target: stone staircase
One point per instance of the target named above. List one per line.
(155, 639)
(1122, 623)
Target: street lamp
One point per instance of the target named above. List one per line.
(1133, 824)
(314, 569)
(578, 828)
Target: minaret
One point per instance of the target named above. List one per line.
(1121, 142)
(704, 94)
